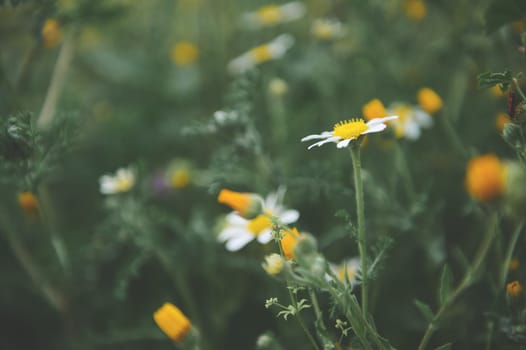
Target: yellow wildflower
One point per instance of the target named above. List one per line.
(51, 33)
(29, 203)
(500, 120)
(514, 289)
(184, 53)
(172, 322)
(485, 177)
(374, 109)
(415, 10)
(429, 100)
(289, 241)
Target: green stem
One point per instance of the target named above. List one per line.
(509, 252)
(404, 171)
(362, 243)
(466, 281)
(295, 304)
(57, 80)
(519, 90)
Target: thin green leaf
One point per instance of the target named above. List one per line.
(425, 310)
(446, 283)
(445, 347)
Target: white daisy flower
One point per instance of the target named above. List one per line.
(238, 231)
(327, 29)
(122, 181)
(351, 267)
(273, 14)
(260, 54)
(411, 120)
(346, 131)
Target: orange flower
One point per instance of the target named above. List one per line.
(485, 177)
(289, 241)
(248, 205)
(429, 100)
(51, 33)
(172, 322)
(29, 203)
(374, 109)
(514, 289)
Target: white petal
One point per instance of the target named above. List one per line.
(238, 242)
(423, 119)
(289, 216)
(411, 130)
(323, 135)
(265, 236)
(344, 143)
(234, 218)
(319, 143)
(374, 128)
(381, 120)
(230, 233)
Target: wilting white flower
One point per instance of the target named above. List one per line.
(346, 131)
(327, 29)
(122, 181)
(411, 120)
(263, 53)
(238, 231)
(273, 14)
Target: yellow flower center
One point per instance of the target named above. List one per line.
(269, 14)
(415, 9)
(51, 33)
(123, 184)
(180, 178)
(485, 177)
(260, 223)
(514, 289)
(501, 120)
(429, 100)
(261, 53)
(403, 112)
(351, 273)
(322, 31)
(350, 129)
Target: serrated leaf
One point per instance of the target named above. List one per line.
(490, 79)
(446, 282)
(425, 310)
(445, 347)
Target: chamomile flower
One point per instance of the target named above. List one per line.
(346, 131)
(411, 120)
(351, 267)
(239, 231)
(273, 14)
(123, 181)
(327, 29)
(260, 54)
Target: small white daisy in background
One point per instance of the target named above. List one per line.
(327, 29)
(346, 131)
(349, 266)
(122, 181)
(273, 14)
(411, 120)
(238, 231)
(260, 54)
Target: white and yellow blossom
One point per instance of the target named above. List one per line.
(273, 264)
(411, 120)
(122, 181)
(351, 267)
(273, 14)
(346, 131)
(260, 54)
(327, 29)
(238, 231)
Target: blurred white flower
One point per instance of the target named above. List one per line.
(327, 29)
(122, 181)
(263, 53)
(273, 14)
(411, 120)
(351, 267)
(346, 131)
(238, 231)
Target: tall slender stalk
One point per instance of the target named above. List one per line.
(468, 279)
(362, 242)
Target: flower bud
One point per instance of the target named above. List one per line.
(273, 264)
(514, 289)
(248, 205)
